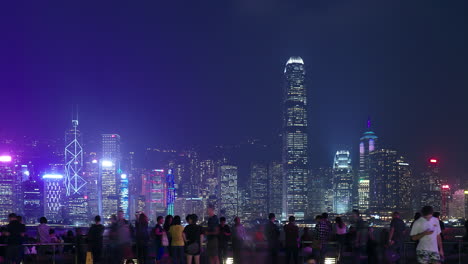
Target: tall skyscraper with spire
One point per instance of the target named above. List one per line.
(295, 154)
(368, 144)
(75, 184)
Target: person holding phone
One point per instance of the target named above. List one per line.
(427, 231)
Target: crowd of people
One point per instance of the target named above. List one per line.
(171, 242)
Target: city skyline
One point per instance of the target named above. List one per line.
(360, 62)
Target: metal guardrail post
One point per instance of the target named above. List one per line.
(53, 254)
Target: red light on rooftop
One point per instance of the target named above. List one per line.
(433, 161)
(113, 136)
(86, 197)
(445, 186)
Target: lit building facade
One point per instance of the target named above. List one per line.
(170, 192)
(342, 182)
(405, 187)
(156, 192)
(54, 194)
(33, 200)
(229, 196)
(429, 187)
(109, 169)
(275, 188)
(368, 143)
(10, 183)
(295, 140)
(383, 180)
(259, 189)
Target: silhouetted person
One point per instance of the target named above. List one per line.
(95, 239)
(223, 238)
(158, 232)
(272, 234)
(238, 238)
(340, 231)
(177, 243)
(291, 232)
(361, 236)
(427, 231)
(124, 234)
(193, 236)
(323, 229)
(15, 233)
(212, 233)
(166, 226)
(396, 234)
(142, 238)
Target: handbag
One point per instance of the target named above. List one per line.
(391, 255)
(165, 240)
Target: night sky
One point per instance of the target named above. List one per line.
(205, 72)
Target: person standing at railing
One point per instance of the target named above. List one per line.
(291, 232)
(340, 233)
(427, 231)
(177, 243)
(323, 228)
(142, 238)
(223, 238)
(95, 239)
(158, 232)
(3, 240)
(212, 233)
(396, 235)
(238, 238)
(15, 233)
(272, 235)
(193, 235)
(42, 235)
(124, 233)
(361, 236)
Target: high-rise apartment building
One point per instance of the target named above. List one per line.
(343, 179)
(295, 140)
(109, 170)
(275, 188)
(229, 196)
(259, 188)
(368, 143)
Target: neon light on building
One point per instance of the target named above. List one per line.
(5, 158)
(171, 195)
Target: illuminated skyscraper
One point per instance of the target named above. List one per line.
(229, 197)
(367, 145)
(342, 182)
(170, 192)
(109, 170)
(75, 200)
(54, 193)
(10, 183)
(295, 156)
(259, 189)
(383, 181)
(33, 200)
(404, 205)
(275, 188)
(156, 192)
(429, 187)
